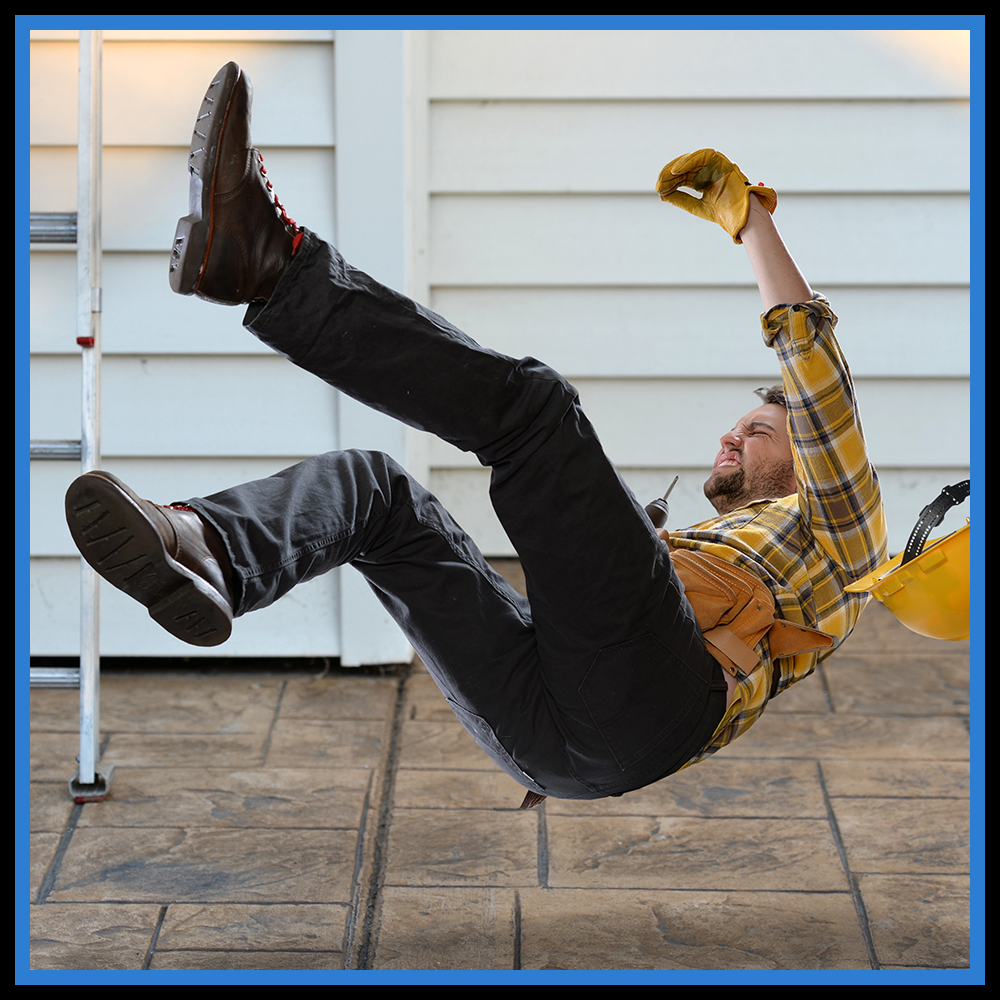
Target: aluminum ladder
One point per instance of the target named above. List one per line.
(84, 229)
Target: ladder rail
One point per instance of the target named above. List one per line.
(87, 782)
(83, 227)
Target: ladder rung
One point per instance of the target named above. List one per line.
(55, 449)
(55, 677)
(53, 227)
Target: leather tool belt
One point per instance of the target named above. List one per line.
(735, 610)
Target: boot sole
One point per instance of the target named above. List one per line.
(118, 540)
(191, 240)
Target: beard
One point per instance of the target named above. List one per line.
(728, 491)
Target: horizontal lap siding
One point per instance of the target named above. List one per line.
(536, 229)
(191, 403)
(545, 236)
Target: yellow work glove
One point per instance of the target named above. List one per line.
(725, 190)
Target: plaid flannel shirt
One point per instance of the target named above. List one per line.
(809, 546)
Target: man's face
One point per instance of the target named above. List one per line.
(754, 462)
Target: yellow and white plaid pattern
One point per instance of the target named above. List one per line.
(809, 546)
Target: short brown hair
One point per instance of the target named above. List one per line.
(772, 394)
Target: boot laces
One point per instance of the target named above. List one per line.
(285, 217)
(270, 187)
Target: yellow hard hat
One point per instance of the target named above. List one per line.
(927, 585)
(929, 594)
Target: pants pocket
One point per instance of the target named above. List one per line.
(640, 695)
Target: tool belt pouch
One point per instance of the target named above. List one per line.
(735, 610)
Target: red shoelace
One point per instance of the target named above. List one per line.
(297, 239)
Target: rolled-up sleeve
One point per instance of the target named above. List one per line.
(839, 496)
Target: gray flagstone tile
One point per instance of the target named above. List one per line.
(687, 853)
(197, 865)
(649, 929)
(455, 928)
(922, 835)
(462, 847)
(97, 936)
(324, 798)
(918, 920)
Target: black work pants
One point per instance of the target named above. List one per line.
(599, 682)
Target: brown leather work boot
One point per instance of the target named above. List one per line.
(237, 240)
(167, 558)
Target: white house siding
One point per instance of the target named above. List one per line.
(506, 178)
(191, 402)
(546, 237)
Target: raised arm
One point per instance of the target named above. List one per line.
(838, 493)
(778, 277)
(838, 490)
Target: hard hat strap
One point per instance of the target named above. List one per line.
(931, 516)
